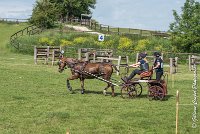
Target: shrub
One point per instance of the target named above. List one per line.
(26, 44)
(64, 42)
(125, 43)
(79, 40)
(142, 45)
(160, 44)
(44, 41)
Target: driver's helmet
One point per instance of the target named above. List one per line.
(142, 55)
(157, 54)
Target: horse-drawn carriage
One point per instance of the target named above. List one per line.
(103, 71)
(156, 89)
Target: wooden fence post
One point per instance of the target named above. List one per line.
(189, 62)
(79, 54)
(171, 65)
(35, 54)
(176, 64)
(118, 64)
(137, 55)
(118, 30)
(87, 56)
(140, 32)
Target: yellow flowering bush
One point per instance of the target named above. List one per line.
(125, 43)
(99, 43)
(46, 41)
(80, 40)
(142, 45)
(64, 42)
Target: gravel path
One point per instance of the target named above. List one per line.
(82, 29)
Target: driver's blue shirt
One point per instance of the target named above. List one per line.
(144, 66)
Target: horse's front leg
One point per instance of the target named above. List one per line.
(113, 90)
(82, 86)
(71, 78)
(105, 89)
(112, 87)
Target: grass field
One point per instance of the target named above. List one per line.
(34, 99)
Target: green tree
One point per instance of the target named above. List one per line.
(186, 27)
(71, 8)
(44, 14)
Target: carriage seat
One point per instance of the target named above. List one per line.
(146, 74)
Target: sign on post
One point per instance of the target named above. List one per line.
(101, 37)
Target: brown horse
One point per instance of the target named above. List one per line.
(84, 70)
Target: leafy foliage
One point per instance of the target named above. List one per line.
(44, 14)
(142, 45)
(186, 28)
(125, 43)
(44, 41)
(64, 42)
(71, 8)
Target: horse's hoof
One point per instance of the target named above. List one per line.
(83, 91)
(72, 92)
(104, 92)
(70, 88)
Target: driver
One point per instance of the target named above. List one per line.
(142, 63)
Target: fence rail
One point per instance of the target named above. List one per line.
(30, 30)
(116, 30)
(14, 20)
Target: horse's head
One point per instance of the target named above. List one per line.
(66, 62)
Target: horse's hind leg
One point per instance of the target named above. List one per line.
(68, 85)
(113, 93)
(104, 91)
(82, 87)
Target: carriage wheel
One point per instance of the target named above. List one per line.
(155, 92)
(127, 92)
(138, 88)
(151, 92)
(160, 92)
(131, 91)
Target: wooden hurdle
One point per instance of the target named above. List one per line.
(119, 60)
(46, 53)
(173, 64)
(91, 54)
(193, 59)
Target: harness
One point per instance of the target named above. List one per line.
(84, 65)
(82, 72)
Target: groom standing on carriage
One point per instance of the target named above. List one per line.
(158, 66)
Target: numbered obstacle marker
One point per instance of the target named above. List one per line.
(101, 37)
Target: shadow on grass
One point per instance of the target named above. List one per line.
(167, 97)
(142, 96)
(78, 91)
